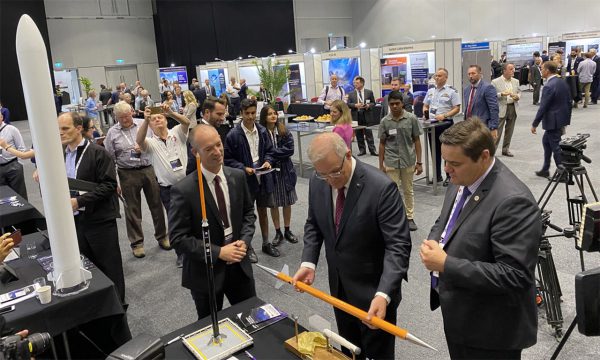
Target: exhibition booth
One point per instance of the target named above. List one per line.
(583, 41)
(217, 73)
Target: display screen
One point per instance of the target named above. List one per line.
(346, 70)
(175, 74)
(520, 54)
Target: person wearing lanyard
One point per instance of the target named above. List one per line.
(482, 250)
(166, 149)
(95, 211)
(441, 104)
(11, 171)
(136, 173)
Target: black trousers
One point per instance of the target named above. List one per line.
(99, 242)
(536, 93)
(374, 344)
(437, 131)
(364, 133)
(236, 104)
(238, 287)
(595, 89)
(459, 351)
(11, 174)
(550, 141)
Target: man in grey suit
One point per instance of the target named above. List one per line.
(361, 102)
(356, 210)
(385, 106)
(508, 93)
(230, 213)
(483, 251)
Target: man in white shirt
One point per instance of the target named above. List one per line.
(509, 94)
(331, 92)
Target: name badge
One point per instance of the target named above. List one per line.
(135, 156)
(176, 164)
(393, 131)
(228, 235)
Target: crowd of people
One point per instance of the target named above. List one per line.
(362, 214)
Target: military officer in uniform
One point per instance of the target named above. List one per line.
(441, 103)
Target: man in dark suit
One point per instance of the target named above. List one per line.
(356, 210)
(481, 100)
(243, 92)
(596, 81)
(573, 61)
(230, 215)
(554, 113)
(483, 251)
(360, 102)
(536, 80)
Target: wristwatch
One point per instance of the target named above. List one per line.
(419, 163)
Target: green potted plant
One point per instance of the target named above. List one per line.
(273, 77)
(87, 84)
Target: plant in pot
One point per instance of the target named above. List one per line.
(87, 85)
(273, 78)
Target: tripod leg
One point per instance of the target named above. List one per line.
(564, 339)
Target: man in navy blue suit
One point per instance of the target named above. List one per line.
(481, 100)
(554, 113)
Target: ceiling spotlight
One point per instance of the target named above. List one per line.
(217, 59)
(433, 36)
(362, 44)
(240, 58)
(251, 56)
(312, 50)
(334, 48)
(172, 64)
(290, 51)
(273, 54)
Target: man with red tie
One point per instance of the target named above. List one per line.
(481, 100)
(356, 210)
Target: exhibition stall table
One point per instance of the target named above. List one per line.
(268, 342)
(311, 109)
(15, 212)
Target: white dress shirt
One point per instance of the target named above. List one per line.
(253, 140)
(210, 180)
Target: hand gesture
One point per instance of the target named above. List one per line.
(305, 275)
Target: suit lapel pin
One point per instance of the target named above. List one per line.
(476, 198)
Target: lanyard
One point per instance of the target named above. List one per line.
(87, 144)
(126, 138)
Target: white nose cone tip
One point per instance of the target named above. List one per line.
(68, 275)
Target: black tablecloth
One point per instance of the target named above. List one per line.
(15, 215)
(268, 342)
(98, 301)
(314, 110)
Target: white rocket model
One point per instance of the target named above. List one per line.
(67, 274)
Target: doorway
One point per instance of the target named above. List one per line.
(121, 74)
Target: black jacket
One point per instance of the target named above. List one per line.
(97, 166)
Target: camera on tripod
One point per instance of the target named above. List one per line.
(572, 150)
(14, 347)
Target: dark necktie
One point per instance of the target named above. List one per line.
(221, 202)
(451, 223)
(339, 208)
(470, 108)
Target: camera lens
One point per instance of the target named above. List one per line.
(39, 342)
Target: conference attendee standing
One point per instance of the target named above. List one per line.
(284, 179)
(545, 56)
(342, 121)
(145, 101)
(331, 92)
(230, 215)
(385, 107)
(189, 110)
(509, 94)
(91, 105)
(481, 100)
(360, 102)
(243, 92)
(536, 80)
(233, 91)
(441, 104)
(136, 174)
(554, 113)
(248, 148)
(11, 170)
(573, 61)
(482, 251)
(400, 151)
(586, 70)
(595, 90)
(95, 211)
(357, 212)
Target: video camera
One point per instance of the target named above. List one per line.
(572, 150)
(14, 347)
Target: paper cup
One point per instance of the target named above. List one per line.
(44, 294)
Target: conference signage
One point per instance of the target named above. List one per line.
(393, 67)
(475, 46)
(581, 35)
(407, 48)
(217, 79)
(175, 73)
(340, 54)
(295, 83)
(419, 70)
(346, 70)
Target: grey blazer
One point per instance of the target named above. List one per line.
(405, 100)
(372, 249)
(487, 289)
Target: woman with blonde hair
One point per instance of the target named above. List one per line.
(191, 105)
(342, 121)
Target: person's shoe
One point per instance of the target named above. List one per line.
(139, 252)
(278, 239)
(252, 255)
(446, 182)
(543, 173)
(362, 153)
(594, 103)
(271, 250)
(411, 225)
(179, 261)
(289, 236)
(507, 153)
(165, 244)
(585, 106)
(374, 153)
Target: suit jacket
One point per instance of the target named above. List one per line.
(485, 103)
(405, 100)
(371, 251)
(353, 100)
(487, 289)
(185, 227)
(536, 75)
(243, 92)
(500, 86)
(573, 64)
(555, 107)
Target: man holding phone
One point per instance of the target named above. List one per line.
(6, 245)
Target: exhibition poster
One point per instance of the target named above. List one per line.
(419, 69)
(554, 46)
(394, 67)
(217, 79)
(295, 83)
(177, 73)
(346, 70)
(521, 54)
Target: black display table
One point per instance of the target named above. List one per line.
(268, 342)
(311, 109)
(19, 216)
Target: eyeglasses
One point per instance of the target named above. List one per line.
(332, 175)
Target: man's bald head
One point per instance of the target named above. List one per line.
(206, 142)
